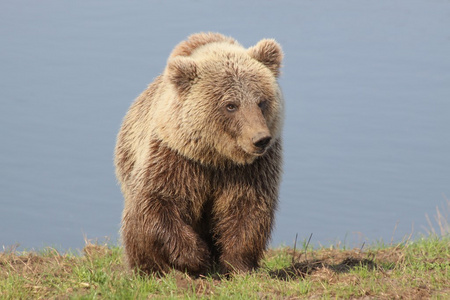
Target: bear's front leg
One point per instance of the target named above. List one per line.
(156, 238)
(242, 229)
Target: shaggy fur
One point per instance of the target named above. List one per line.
(199, 159)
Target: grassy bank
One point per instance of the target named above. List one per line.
(419, 269)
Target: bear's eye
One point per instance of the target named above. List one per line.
(262, 105)
(231, 107)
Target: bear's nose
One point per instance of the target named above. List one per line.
(261, 140)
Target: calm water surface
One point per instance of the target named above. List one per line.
(367, 89)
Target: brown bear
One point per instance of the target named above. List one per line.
(198, 157)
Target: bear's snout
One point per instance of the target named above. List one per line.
(261, 140)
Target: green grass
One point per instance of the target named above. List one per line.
(415, 269)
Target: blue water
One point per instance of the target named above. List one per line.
(367, 131)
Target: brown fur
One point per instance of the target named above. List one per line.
(199, 159)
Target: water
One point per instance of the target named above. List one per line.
(367, 88)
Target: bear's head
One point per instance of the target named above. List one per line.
(224, 101)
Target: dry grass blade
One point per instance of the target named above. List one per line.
(441, 218)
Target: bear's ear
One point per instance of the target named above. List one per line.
(181, 71)
(269, 53)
